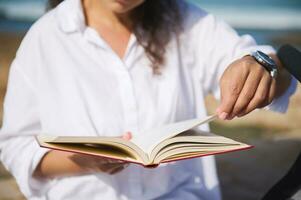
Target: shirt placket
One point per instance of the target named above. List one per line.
(129, 101)
(127, 93)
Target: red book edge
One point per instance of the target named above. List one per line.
(150, 166)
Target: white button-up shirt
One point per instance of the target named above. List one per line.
(66, 80)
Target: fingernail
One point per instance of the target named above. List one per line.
(223, 116)
(127, 136)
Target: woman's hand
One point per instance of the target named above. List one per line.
(58, 163)
(246, 85)
(90, 164)
(96, 164)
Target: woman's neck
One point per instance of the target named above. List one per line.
(97, 13)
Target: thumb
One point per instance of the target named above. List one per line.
(127, 136)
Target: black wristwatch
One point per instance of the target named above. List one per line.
(266, 61)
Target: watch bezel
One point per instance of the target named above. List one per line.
(265, 60)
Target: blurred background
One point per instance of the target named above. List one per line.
(277, 137)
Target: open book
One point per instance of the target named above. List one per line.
(168, 143)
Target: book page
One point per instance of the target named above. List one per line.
(106, 151)
(94, 144)
(179, 152)
(149, 139)
(193, 138)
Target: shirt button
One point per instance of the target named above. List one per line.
(197, 180)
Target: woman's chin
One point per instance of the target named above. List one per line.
(123, 6)
(120, 8)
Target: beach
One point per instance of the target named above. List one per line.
(244, 175)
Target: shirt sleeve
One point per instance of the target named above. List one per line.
(224, 46)
(281, 103)
(19, 151)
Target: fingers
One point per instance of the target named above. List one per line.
(245, 86)
(110, 162)
(118, 169)
(262, 97)
(231, 85)
(111, 166)
(255, 88)
(92, 164)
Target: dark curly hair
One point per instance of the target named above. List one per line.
(155, 22)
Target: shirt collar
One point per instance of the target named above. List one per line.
(71, 17)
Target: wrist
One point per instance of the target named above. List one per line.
(55, 164)
(284, 78)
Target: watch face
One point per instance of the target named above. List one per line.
(266, 58)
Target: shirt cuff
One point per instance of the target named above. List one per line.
(37, 185)
(281, 103)
(264, 48)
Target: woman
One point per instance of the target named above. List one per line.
(107, 67)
